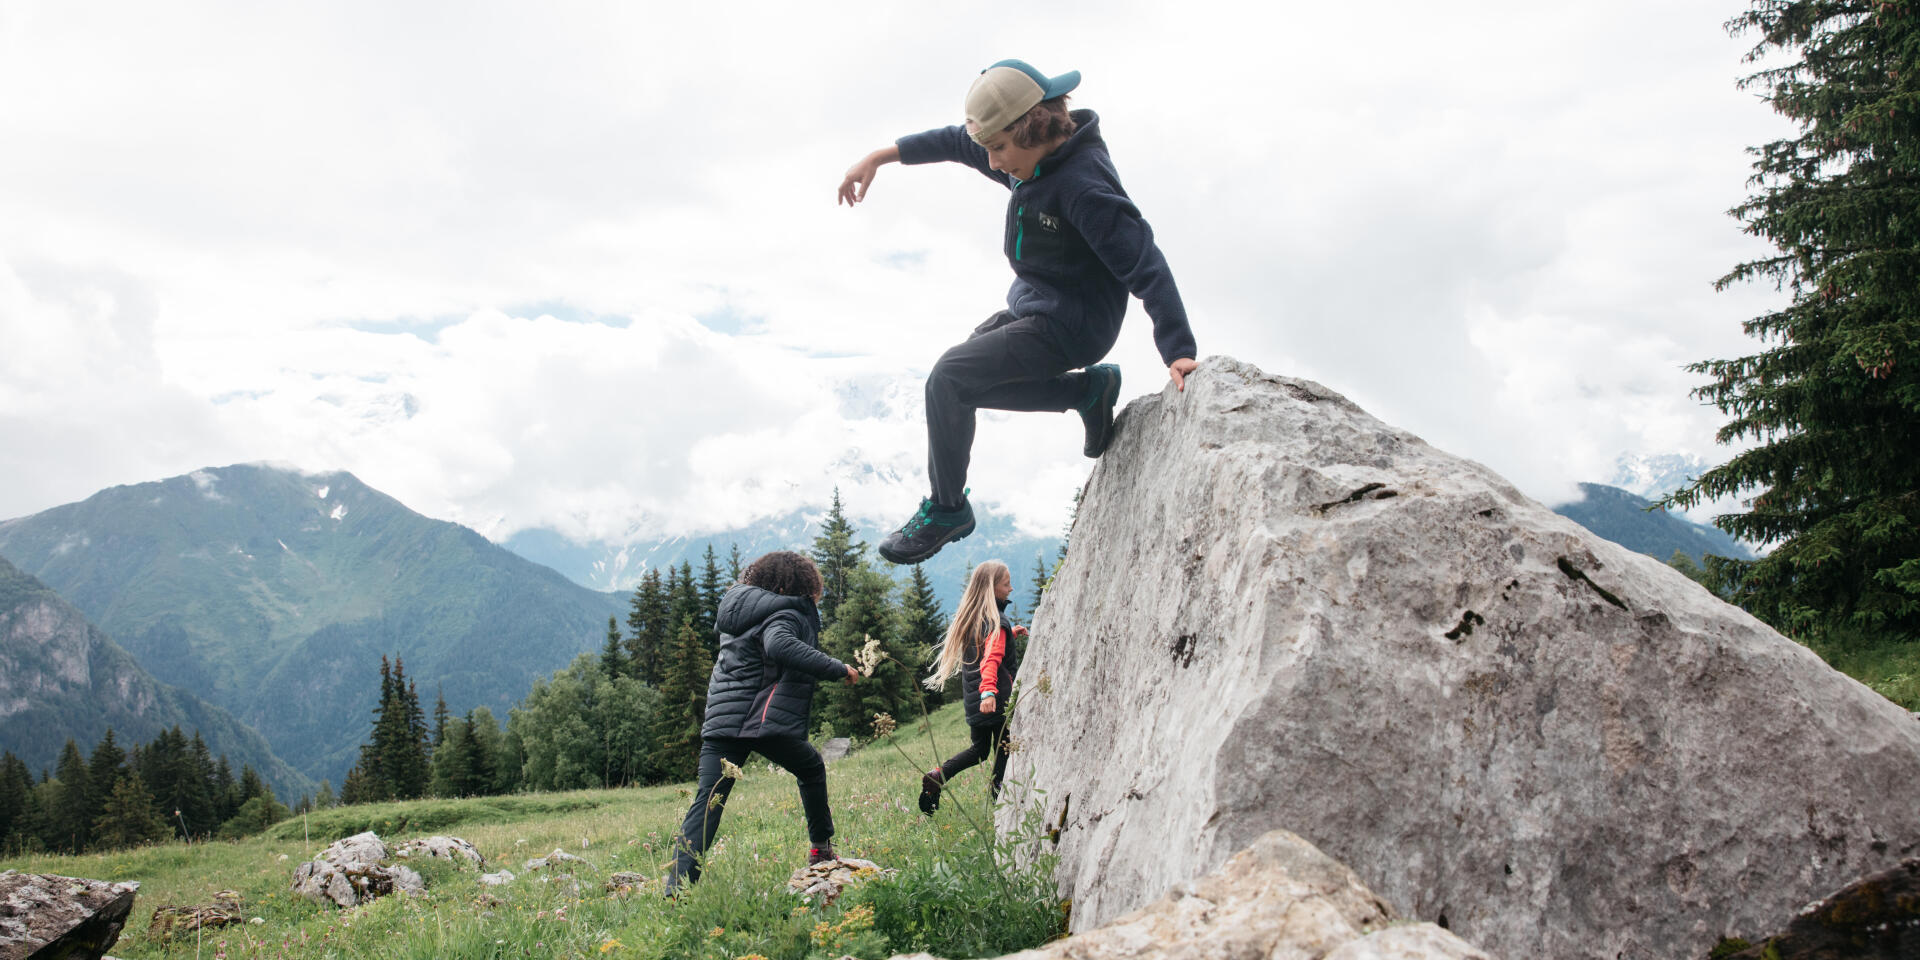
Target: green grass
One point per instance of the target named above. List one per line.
(955, 892)
(1891, 668)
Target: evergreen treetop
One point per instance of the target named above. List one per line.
(1831, 399)
(838, 555)
(647, 628)
(613, 662)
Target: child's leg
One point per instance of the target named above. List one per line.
(999, 758)
(972, 755)
(799, 758)
(1008, 364)
(703, 818)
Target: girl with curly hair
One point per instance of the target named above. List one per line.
(758, 699)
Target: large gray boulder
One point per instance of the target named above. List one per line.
(1279, 612)
(46, 915)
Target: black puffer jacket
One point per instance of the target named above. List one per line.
(763, 679)
(970, 664)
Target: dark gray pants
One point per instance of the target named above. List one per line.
(793, 754)
(1009, 363)
(992, 738)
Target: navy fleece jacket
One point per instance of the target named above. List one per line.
(1077, 244)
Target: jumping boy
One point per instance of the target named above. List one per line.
(1078, 247)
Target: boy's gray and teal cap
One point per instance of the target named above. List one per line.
(1005, 92)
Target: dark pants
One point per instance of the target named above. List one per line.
(793, 754)
(1009, 363)
(984, 738)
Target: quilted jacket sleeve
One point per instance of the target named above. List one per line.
(785, 648)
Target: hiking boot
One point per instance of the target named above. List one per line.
(1096, 410)
(820, 853)
(931, 528)
(930, 784)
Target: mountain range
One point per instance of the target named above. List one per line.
(1636, 523)
(61, 678)
(274, 593)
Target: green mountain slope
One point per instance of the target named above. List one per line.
(1627, 520)
(273, 593)
(61, 678)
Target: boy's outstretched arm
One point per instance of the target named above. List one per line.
(853, 188)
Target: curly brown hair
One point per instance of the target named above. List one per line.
(1045, 123)
(784, 572)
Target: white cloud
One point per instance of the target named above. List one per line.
(465, 251)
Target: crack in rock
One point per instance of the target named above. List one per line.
(1575, 573)
(1357, 495)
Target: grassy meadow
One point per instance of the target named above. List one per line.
(954, 893)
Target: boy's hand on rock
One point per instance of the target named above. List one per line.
(1179, 369)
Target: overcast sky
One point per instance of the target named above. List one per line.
(579, 265)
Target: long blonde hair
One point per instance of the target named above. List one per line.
(977, 608)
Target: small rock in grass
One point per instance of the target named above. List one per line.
(496, 879)
(446, 848)
(829, 878)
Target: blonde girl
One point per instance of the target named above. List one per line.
(980, 648)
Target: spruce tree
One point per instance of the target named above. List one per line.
(734, 566)
(647, 634)
(1831, 398)
(838, 554)
(15, 786)
(127, 818)
(411, 773)
(685, 606)
(482, 734)
(358, 786)
(453, 763)
(368, 781)
(201, 807)
(251, 785)
(923, 626)
(104, 767)
(612, 662)
(70, 829)
(226, 791)
(712, 587)
(323, 798)
(683, 706)
(892, 687)
(440, 713)
(490, 754)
